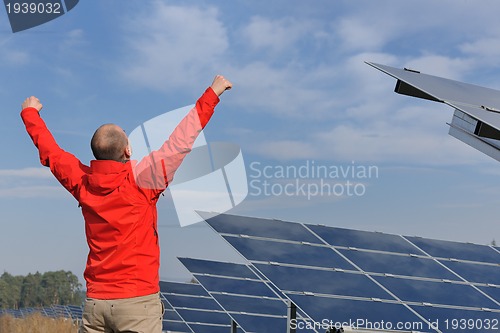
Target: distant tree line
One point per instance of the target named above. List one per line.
(39, 290)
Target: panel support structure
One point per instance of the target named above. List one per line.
(234, 326)
(291, 316)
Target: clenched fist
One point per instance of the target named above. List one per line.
(32, 102)
(221, 84)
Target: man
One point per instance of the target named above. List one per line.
(118, 200)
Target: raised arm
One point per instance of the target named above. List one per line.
(66, 168)
(157, 170)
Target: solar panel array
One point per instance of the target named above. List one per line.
(246, 299)
(371, 280)
(54, 311)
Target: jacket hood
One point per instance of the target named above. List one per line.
(106, 176)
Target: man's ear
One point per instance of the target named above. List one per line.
(128, 152)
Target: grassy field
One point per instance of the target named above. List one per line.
(36, 323)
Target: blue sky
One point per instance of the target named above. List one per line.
(302, 93)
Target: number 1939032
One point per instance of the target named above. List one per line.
(34, 8)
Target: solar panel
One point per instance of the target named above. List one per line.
(459, 320)
(436, 292)
(235, 286)
(250, 226)
(475, 272)
(243, 295)
(319, 281)
(340, 237)
(404, 265)
(347, 275)
(172, 322)
(491, 291)
(175, 327)
(475, 121)
(287, 253)
(360, 314)
(76, 312)
(53, 311)
(452, 92)
(12, 312)
(61, 311)
(189, 308)
(50, 312)
(455, 250)
(217, 268)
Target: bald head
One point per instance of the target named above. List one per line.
(110, 142)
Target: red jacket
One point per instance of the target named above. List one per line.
(120, 216)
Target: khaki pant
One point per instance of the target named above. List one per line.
(129, 315)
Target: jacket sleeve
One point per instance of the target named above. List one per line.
(64, 166)
(155, 171)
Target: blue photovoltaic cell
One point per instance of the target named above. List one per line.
(260, 315)
(259, 324)
(262, 306)
(180, 301)
(299, 254)
(477, 273)
(364, 240)
(355, 313)
(234, 286)
(197, 316)
(322, 282)
(217, 268)
(182, 288)
(436, 292)
(166, 304)
(180, 327)
(463, 251)
(75, 311)
(239, 225)
(200, 328)
(171, 315)
(493, 292)
(449, 320)
(398, 265)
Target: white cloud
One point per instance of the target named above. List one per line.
(383, 142)
(357, 33)
(275, 35)
(439, 65)
(286, 149)
(73, 39)
(29, 183)
(379, 142)
(290, 92)
(40, 173)
(172, 46)
(10, 55)
(23, 192)
(484, 51)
